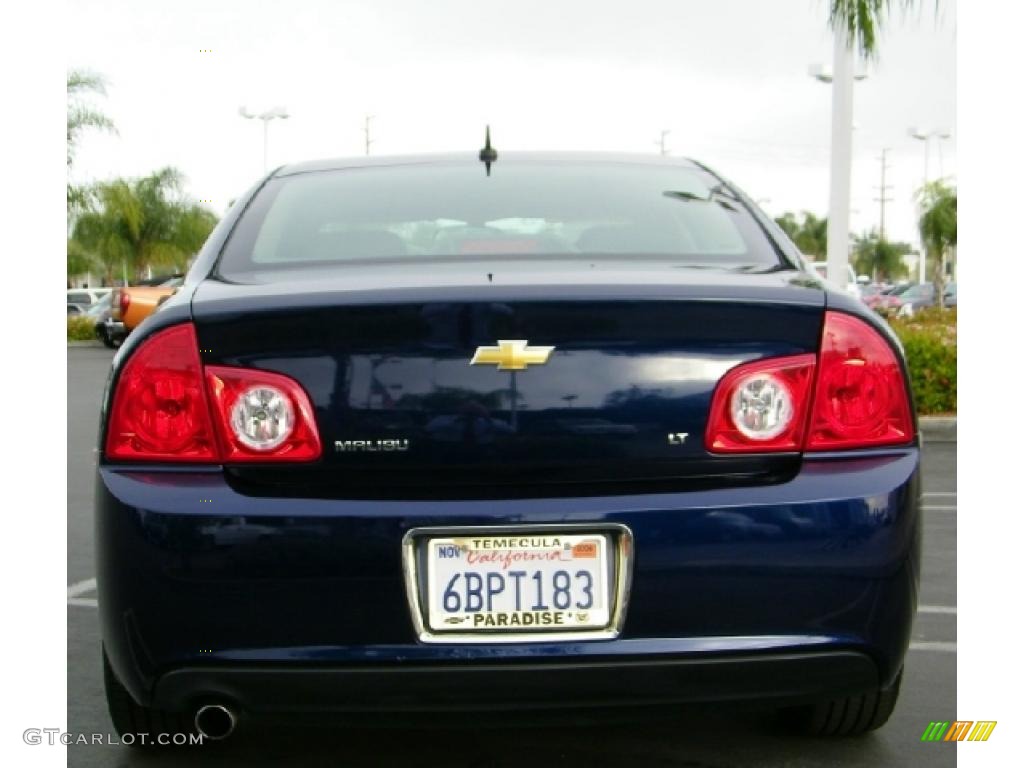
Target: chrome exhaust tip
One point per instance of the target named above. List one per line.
(215, 721)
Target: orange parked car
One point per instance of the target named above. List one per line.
(131, 305)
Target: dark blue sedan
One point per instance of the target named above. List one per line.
(555, 432)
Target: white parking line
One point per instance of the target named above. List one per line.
(85, 602)
(938, 508)
(938, 493)
(79, 589)
(933, 645)
(945, 609)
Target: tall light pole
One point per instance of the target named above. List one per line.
(841, 156)
(266, 117)
(926, 137)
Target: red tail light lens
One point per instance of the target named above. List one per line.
(262, 416)
(761, 406)
(860, 397)
(853, 395)
(166, 407)
(123, 301)
(160, 410)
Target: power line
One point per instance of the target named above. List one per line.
(882, 198)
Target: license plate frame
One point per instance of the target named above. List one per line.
(418, 572)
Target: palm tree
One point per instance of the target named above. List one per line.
(80, 261)
(82, 116)
(938, 228)
(878, 257)
(809, 233)
(861, 19)
(137, 224)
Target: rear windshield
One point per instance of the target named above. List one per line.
(431, 211)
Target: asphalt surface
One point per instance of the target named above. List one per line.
(707, 737)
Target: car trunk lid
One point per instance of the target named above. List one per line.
(621, 399)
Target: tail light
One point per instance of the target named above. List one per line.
(860, 397)
(160, 411)
(762, 406)
(262, 416)
(167, 407)
(118, 304)
(852, 395)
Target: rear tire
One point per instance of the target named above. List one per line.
(145, 724)
(105, 338)
(848, 716)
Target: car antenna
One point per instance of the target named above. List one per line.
(488, 154)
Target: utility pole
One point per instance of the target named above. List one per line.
(661, 142)
(882, 198)
(366, 132)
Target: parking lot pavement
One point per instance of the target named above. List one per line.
(707, 737)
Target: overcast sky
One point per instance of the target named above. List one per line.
(728, 78)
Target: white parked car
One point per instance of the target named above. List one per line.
(851, 287)
(86, 296)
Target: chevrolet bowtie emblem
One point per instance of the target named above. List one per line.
(512, 355)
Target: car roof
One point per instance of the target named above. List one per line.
(471, 158)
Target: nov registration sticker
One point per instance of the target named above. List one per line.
(519, 583)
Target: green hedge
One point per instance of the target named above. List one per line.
(81, 328)
(929, 339)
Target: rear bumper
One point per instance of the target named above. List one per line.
(786, 678)
(803, 589)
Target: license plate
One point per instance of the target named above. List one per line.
(519, 583)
